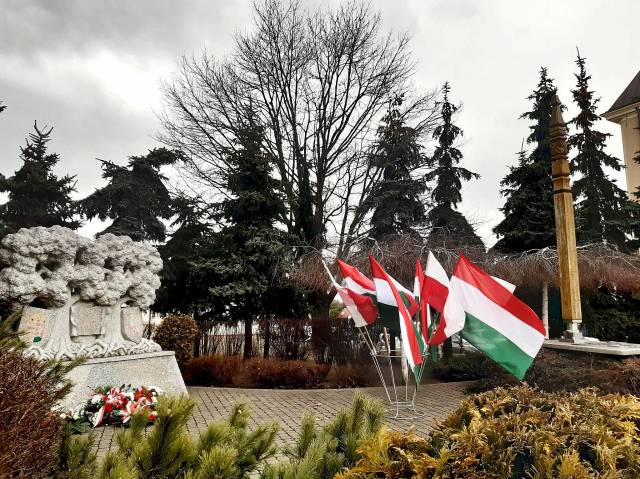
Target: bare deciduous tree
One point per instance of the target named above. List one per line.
(318, 82)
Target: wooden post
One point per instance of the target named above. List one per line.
(565, 225)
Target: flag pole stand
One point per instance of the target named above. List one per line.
(401, 398)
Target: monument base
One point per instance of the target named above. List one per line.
(158, 369)
(610, 348)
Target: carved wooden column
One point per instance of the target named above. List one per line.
(565, 225)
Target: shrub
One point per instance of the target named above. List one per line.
(273, 373)
(319, 453)
(555, 372)
(611, 316)
(517, 433)
(225, 450)
(463, 367)
(178, 333)
(268, 373)
(35, 442)
(27, 423)
(229, 450)
(212, 370)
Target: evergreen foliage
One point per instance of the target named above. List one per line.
(177, 293)
(320, 453)
(234, 273)
(177, 333)
(225, 450)
(447, 224)
(529, 221)
(37, 197)
(515, 433)
(395, 200)
(135, 197)
(600, 204)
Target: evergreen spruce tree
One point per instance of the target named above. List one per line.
(37, 197)
(447, 224)
(242, 259)
(135, 198)
(397, 208)
(599, 202)
(529, 221)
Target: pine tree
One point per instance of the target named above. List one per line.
(529, 221)
(397, 208)
(135, 198)
(599, 201)
(447, 224)
(37, 197)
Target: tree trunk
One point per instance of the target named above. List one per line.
(545, 309)
(447, 348)
(320, 330)
(248, 338)
(267, 339)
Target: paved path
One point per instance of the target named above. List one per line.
(288, 406)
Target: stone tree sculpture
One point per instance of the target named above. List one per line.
(81, 297)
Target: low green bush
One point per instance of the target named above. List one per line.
(517, 434)
(462, 367)
(177, 333)
(230, 450)
(611, 316)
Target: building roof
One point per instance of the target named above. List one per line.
(629, 96)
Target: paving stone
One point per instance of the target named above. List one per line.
(287, 407)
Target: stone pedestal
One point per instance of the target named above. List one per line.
(158, 369)
(593, 346)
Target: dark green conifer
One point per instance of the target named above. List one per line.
(599, 203)
(37, 197)
(395, 201)
(136, 198)
(448, 225)
(529, 221)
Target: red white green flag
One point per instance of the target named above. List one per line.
(388, 311)
(437, 293)
(358, 296)
(497, 322)
(390, 296)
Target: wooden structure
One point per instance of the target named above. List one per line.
(565, 225)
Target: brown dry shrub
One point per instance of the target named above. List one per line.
(270, 373)
(349, 376)
(29, 430)
(559, 372)
(178, 333)
(274, 373)
(212, 370)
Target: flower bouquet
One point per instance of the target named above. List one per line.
(113, 406)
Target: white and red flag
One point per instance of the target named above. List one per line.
(389, 295)
(437, 293)
(358, 296)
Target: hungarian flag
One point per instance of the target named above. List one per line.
(356, 297)
(497, 323)
(388, 310)
(426, 324)
(389, 295)
(438, 294)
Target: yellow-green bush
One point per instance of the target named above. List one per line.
(517, 433)
(178, 333)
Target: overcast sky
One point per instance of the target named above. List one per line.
(91, 70)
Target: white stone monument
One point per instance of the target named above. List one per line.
(86, 298)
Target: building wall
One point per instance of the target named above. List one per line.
(631, 146)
